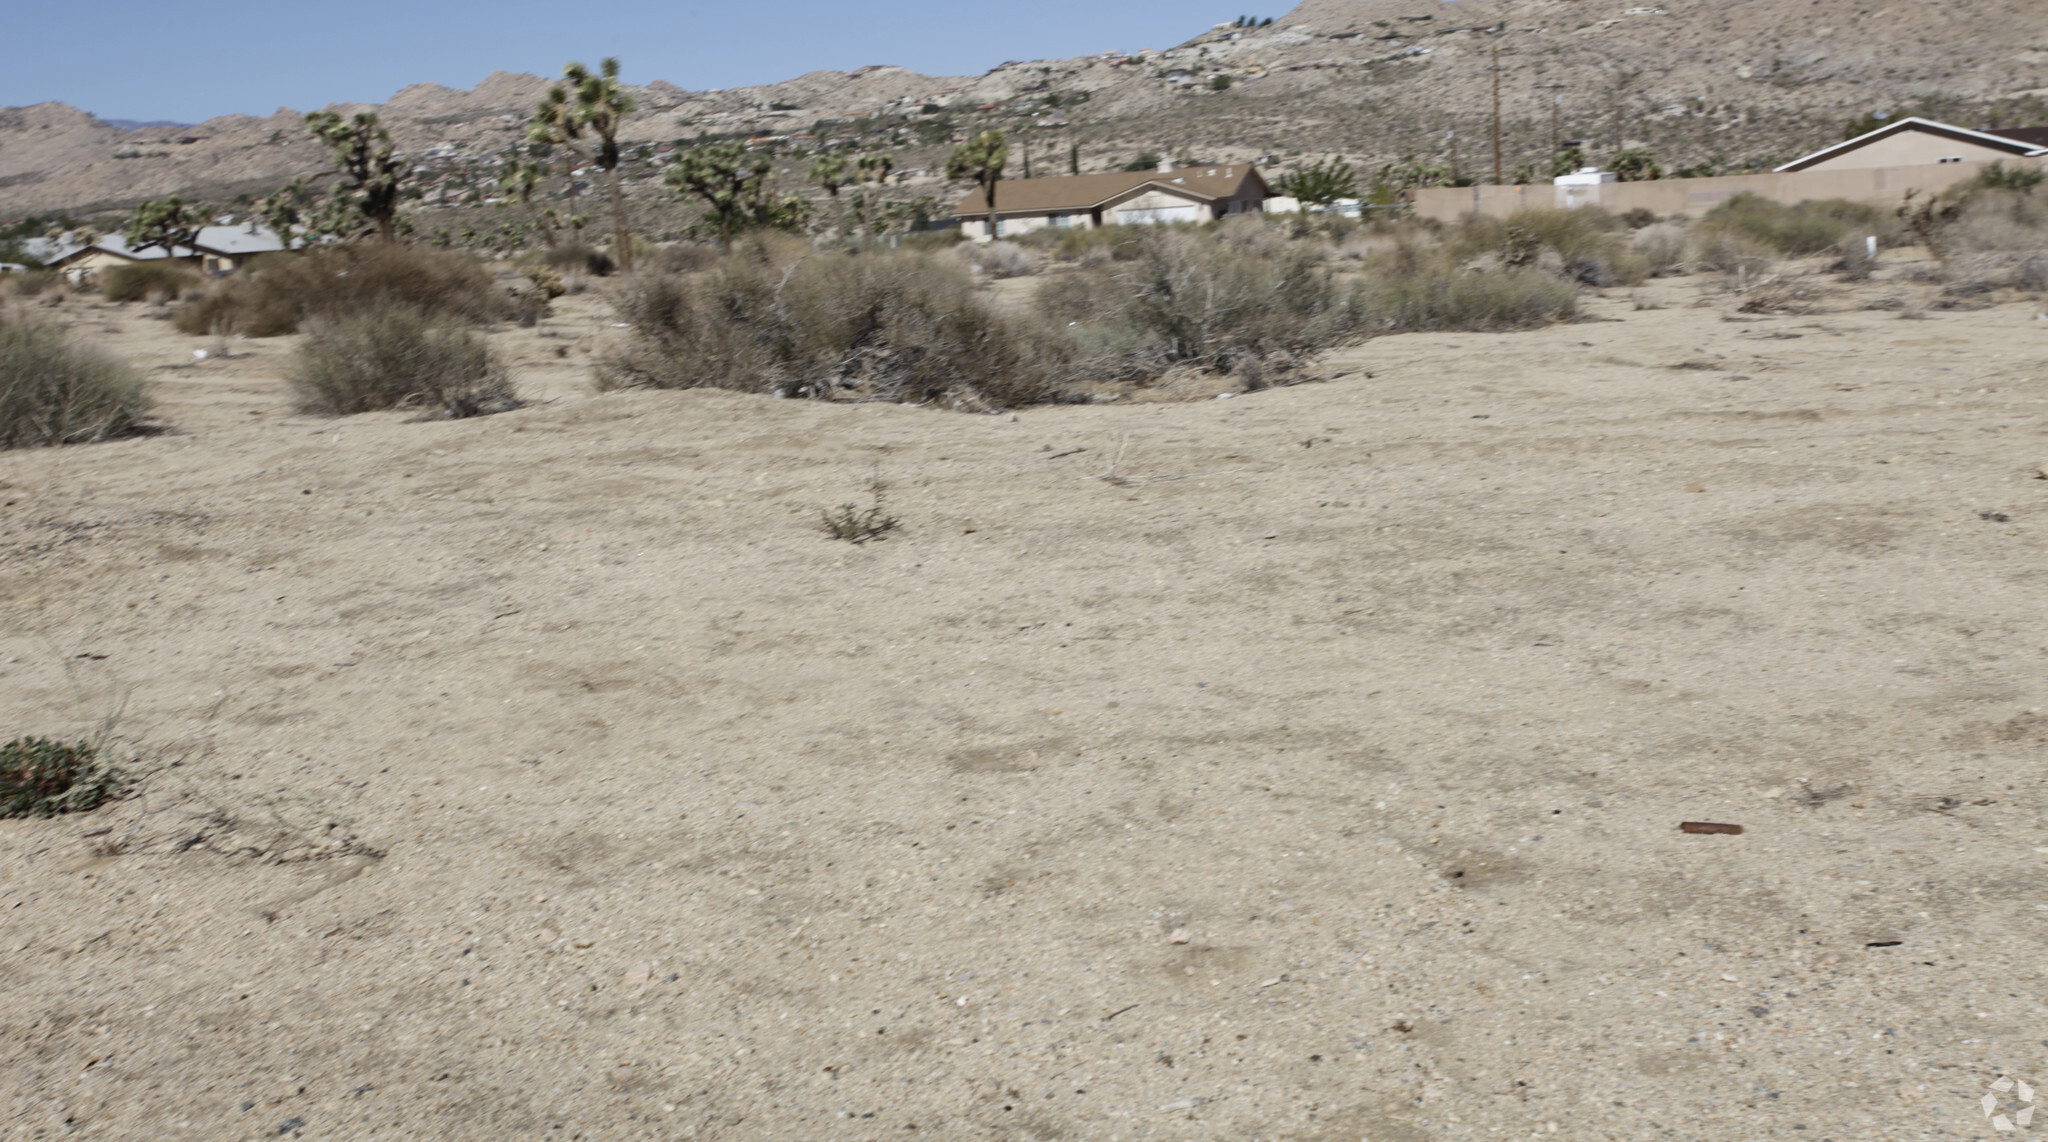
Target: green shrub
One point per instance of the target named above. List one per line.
(777, 318)
(2019, 180)
(147, 281)
(54, 391)
(396, 357)
(1411, 291)
(1811, 227)
(280, 291)
(42, 778)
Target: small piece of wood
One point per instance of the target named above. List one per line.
(1709, 827)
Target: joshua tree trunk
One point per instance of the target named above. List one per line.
(990, 189)
(622, 242)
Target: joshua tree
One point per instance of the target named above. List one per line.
(874, 167)
(555, 125)
(1321, 183)
(737, 188)
(364, 153)
(166, 222)
(601, 107)
(831, 171)
(521, 179)
(981, 159)
(283, 209)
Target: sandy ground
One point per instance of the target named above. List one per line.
(1316, 777)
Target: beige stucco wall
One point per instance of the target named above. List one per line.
(1698, 195)
(1910, 149)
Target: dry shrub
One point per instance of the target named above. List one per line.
(576, 258)
(395, 356)
(898, 326)
(149, 281)
(1737, 255)
(1412, 290)
(30, 283)
(1812, 227)
(1092, 245)
(1218, 302)
(998, 259)
(281, 291)
(1663, 247)
(54, 391)
(1587, 246)
(688, 258)
(1985, 237)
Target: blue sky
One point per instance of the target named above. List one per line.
(123, 59)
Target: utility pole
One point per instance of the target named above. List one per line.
(1496, 115)
(1556, 114)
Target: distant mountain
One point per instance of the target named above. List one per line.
(1736, 82)
(142, 125)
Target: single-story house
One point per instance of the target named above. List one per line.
(215, 251)
(1917, 142)
(1118, 198)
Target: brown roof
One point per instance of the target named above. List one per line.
(1088, 191)
(2036, 136)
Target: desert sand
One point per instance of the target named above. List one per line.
(1306, 765)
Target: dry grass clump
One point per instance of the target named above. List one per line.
(55, 391)
(394, 356)
(281, 291)
(42, 778)
(154, 282)
(783, 319)
(1796, 231)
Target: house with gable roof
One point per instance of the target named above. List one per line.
(1116, 198)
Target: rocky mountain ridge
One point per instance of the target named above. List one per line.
(1738, 83)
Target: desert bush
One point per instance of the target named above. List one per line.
(148, 281)
(998, 259)
(54, 391)
(576, 258)
(29, 283)
(1096, 244)
(782, 319)
(1811, 227)
(281, 291)
(2020, 180)
(42, 778)
(1637, 218)
(1664, 247)
(686, 258)
(1587, 245)
(1414, 290)
(1734, 253)
(1219, 304)
(394, 357)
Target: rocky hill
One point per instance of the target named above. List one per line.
(1732, 83)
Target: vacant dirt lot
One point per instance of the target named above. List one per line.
(1301, 766)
